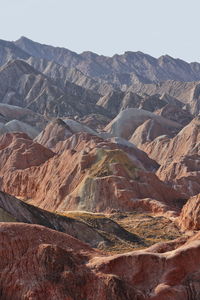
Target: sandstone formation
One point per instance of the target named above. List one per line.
(59, 130)
(55, 132)
(77, 178)
(175, 113)
(167, 275)
(101, 177)
(148, 131)
(70, 269)
(26, 213)
(128, 120)
(19, 152)
(95, 121)
(190, 215)
(18, 126)
(178, 157)
(186, 92)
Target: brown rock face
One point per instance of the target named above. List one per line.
(39, 263)
(166, 275)
(88, 174)
(190, 216)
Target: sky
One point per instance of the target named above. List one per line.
(106, 27)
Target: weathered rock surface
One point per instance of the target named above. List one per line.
(186, 92)
(59, 130)
(22, 85)
(148, 131)
(88, 173)
(55, 132)
(128, 120)
(190, 215)
(9, 51)
(95, 121)
(11, 112)
(167, 275)
(175, 113)
(121, 69)
(26, 213)
(183, 174)
(19, 152)
(179, 158)
(69, 269)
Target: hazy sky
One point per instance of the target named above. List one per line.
(106, 27)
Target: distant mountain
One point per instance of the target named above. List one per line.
(22, 85)
(57, 82)
(122, 69)
(186, 92)
(9, 51)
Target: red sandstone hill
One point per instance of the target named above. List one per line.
(39, 263)
(87, 174)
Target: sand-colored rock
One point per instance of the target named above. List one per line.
(126, 122)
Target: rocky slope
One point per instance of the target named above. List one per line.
(9, 51)
(70, 269)
(102, 177)
(190, 215)
(119, 184)
(178, 157)
(13, 112)
(93, 229)
(186, 92)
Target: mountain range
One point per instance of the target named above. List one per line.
(99, 175)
